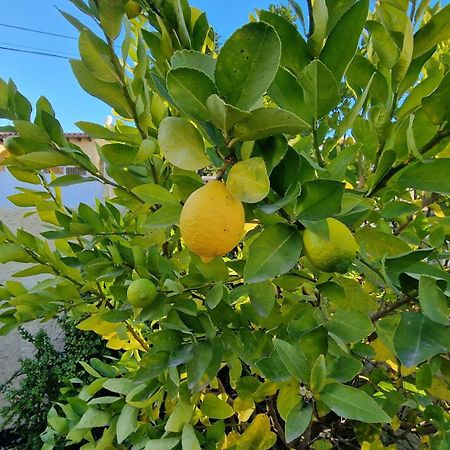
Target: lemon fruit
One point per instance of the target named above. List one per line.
(331, 253)
(141, 292)
(132, 9)
(212, 221)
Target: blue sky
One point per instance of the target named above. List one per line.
(42, 75)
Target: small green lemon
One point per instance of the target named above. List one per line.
(333, 253)
(141, 292)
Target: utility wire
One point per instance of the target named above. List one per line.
(10, 44)
(38, 31)
(34, 52)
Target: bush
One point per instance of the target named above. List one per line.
(41, 380)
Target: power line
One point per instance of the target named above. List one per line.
(38, 31)
(38, 49)
(34, 52)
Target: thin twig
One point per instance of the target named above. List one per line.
(141, 341)
(391, 308)
(316, 145)
(273, 414)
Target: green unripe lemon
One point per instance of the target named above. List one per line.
(332, 252)
(141, 292)
(132, 9)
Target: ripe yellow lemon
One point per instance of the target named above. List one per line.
(333, 253)
(212, 221)
(141, 292)
(132, 9)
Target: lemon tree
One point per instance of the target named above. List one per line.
(299, 299)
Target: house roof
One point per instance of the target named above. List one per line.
(78, 136)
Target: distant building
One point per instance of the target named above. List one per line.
(85, 142)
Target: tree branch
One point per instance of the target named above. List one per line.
(316, 145)
(273, 414)
(391, 308)
(141, 341)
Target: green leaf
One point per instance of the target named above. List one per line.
(196, 367)
(318, 375)
(190, 88)
(257, 435)
(96, 57)
(320, 89)
(182, 144)
(344, 369)
(291, 194)
(436, 105)
(247, 64)
(214, 295)
(31, 132)
(293, 358)
(93, 418)
(273, 368)
(194, 60)
(358, 75)
(111, 13)
(97, 131)
(418, 338)
(222, 115)
(274, 252)
(433, 301)
(110, 93)
(162, 444)
(248, 180)
(343, 41)
(181, 415)
(118, 154)
(265, 122)
(383, 43)
(287, 93)
(294, 51)
(424, 377)
(216, 408)
(319, 199)
(119, 385)
(336, 9)
(189, 440)
(70, 180)
(154, 194)
(435, 31)
(430, 176)
(297, 421)
(320, 20)
(163, 217)
(44, 159)
(404, 60)
(350, 325)
(350, 118)
(387, 158)
(352, 403)
(127, 422)
(262, 297)
(13, 252)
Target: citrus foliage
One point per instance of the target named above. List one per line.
(259, 349)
